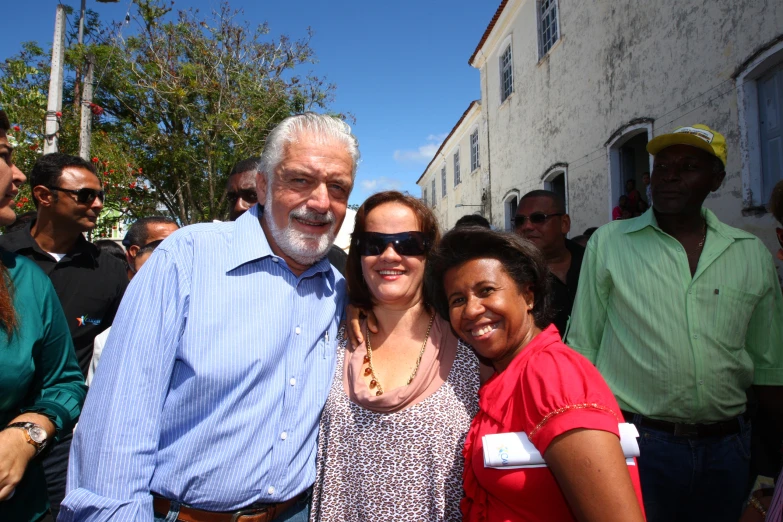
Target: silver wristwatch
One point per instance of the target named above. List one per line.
(35, 434)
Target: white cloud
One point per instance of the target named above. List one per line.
(379, 184)
(422, 154)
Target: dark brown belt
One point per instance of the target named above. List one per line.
(693, 431)
(262, 513)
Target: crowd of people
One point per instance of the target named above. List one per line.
(251, 371)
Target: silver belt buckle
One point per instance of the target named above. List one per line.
(248, 512)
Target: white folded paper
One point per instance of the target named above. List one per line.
(514, 450)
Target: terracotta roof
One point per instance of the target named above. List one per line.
(443, 144)
(489, 30)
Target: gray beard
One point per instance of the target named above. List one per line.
(305, 249)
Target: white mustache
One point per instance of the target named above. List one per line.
(312, 215)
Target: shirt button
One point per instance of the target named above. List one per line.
(292, 381)
(271, 490)
(274, 260)
(298, 330)
(283, 436)
(695, 336)
(701, 382)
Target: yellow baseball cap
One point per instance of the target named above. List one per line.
(699, 136)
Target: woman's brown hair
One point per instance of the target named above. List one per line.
(358, 293)
(7, 312)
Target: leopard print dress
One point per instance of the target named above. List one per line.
(395, 467)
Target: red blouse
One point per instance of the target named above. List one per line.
(546, 391)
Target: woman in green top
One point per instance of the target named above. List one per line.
(41, 387)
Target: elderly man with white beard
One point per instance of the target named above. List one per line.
(207, 403)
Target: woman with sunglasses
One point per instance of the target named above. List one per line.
(392, 430)
(41, 387)
(494, 288)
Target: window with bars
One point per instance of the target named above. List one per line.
(456, 169)
(548, 26)
(424, 196)
(474, 151)
(443, 182)
(434, 197)
(506, 74)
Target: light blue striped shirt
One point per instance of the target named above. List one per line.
(212, 382)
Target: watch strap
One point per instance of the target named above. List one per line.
(26, 427)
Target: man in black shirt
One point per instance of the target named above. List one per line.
(541, 218)
(69, 196)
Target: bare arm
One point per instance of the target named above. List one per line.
(16, 453)
(590, 468)
(353, 317)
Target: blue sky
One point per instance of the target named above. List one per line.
(400, 67)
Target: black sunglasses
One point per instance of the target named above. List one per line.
(536, 218)
(248, 195)
(83, 195)
(404, 243)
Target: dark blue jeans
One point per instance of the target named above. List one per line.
(685, 479)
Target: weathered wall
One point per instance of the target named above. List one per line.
(670, 60)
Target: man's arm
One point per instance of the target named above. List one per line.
(764, 343)
(588, 317)
(115, 446)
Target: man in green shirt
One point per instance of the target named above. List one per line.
(682, 314)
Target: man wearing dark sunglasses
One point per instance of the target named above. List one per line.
(241, 190)
(541, 218)
(69, 197)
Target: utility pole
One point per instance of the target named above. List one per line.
(55, 103)
(85, 131)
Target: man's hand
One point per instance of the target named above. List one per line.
(15, 454)
(354, 316)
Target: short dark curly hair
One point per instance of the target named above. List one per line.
(522, 261)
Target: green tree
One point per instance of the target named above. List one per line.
(176, 104)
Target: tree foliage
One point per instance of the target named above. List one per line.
(176, 104)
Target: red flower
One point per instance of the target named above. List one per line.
(95, 160)
(139, 170)
(34, 146)
(111, 170)
(126, 199)
(96, 109)
(132, 185)
(17, 128)
(19, 205)
(58, 114)
(24, 200)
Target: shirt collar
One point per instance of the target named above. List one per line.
(23, 239)
(495, 394)
(713, 223)
(250, 243)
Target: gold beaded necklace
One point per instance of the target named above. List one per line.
(368, 360)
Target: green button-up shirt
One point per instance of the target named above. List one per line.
(672, 346)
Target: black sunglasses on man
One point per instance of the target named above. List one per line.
(537, 218)
(84, 196)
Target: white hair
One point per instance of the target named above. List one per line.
(320, 127)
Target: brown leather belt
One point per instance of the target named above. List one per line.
(262, 513)
(693, 431)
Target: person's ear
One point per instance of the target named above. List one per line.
(565, 224)
(718, 180)
(261, 186)
(43, 196)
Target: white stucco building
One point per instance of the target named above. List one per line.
(455, 182)
(572, 91)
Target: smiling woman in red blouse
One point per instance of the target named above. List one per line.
(494, 290)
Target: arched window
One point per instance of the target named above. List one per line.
(628, 159)
(760, 102)
(510, 204)
(556, 179)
